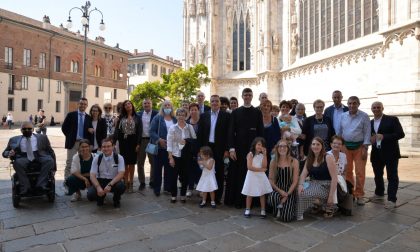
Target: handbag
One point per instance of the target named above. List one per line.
(152, 148)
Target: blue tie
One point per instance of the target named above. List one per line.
(80, 127)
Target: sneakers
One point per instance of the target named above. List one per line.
(247, 213)
(263, 215)
(189, 193)
(173, 199)
(202, 204)
(390, 205)
(76, 197)
(213, 204)
(361, 201)
(299, 218)
(377, 197)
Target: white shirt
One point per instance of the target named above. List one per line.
(169, 124)
(145, 119)
(376, 123)
(213, 121)
(108, 169)
(340, 163)
(175, 135)
(24, 142)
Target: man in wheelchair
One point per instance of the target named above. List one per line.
(31, 152)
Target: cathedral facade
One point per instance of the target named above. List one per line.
(306, 49)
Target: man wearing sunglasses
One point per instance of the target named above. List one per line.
(109, 118)
(28, 148)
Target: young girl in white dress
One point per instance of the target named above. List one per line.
(207, 182)
(256, 182)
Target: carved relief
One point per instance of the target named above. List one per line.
(261, 36)
(192, 8)
(202, 7)
(294, 37)
(228, 56)
(229, 19)
(276, 42)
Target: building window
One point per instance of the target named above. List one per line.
(24, 104)
(115, 74)
(25, 82)
(57, 66)
(40, 104)
(154, 70)
(326, 23)
(27, 57)
(96, 91)
(111, 57)
(74, 66)
(11, 84)
(162, 70)
(93, 52)
(121, 59)
(42, 57)
(57, 106)
(58, 89)
(115, 93)
(98, 71)
(105, 55)
(170, 70)
(10, 104)
(241, 41)
(8, 57)
(41, 84)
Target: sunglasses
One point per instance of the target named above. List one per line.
(107, 108)
(26, 128)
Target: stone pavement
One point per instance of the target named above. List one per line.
(147, 223)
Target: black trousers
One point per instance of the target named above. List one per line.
(392, 176)
(180, 170)
(220, 171)
(118, 189)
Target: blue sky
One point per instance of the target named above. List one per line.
(141, 24)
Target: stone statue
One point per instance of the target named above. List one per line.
(294, 42)
(201, 52)
(192, 55)
(261, 34)
(276, 42)
(202, 7)
(192, 10)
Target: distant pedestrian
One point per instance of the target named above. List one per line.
(41, 125)
(31, 118)
(9, 120)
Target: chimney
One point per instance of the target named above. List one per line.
(46, 24)
(100, 39)
(117, 45)
(151, 51)
(135, 51)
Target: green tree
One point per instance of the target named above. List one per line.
(184, 84)
(156, 91)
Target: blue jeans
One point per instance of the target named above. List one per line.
(161, 160)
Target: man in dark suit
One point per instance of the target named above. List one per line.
(386, 131)
(212, 132)
(200, 100)
(146, 115)
(29, 148)
(335, 111)
(76, 126)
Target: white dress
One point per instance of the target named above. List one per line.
(207, 182)
(256, 183)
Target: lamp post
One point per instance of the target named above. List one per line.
(85, 22)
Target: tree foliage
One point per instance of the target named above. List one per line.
(178, 86)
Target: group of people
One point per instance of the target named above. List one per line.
(231, 154)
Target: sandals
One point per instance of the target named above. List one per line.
(329, 212)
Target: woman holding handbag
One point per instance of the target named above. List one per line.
(158, 132)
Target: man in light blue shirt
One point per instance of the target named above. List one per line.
(335, 111)
(355, 130)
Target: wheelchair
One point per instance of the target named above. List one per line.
(32, 171)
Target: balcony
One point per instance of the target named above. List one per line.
(8, 66)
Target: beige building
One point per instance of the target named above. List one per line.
(146, 66)
(41, 68)
(306, 49)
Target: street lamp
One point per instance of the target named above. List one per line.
(85, 22)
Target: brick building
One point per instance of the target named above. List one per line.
(41, 67)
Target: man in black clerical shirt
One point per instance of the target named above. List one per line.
(245, 125)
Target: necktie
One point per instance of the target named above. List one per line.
(29, 152)
(80, 127)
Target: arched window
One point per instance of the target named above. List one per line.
(74, 66)
(326, 23)
(98, 71)
(241, 40)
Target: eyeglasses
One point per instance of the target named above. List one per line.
(26, 128)
(107, 107)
